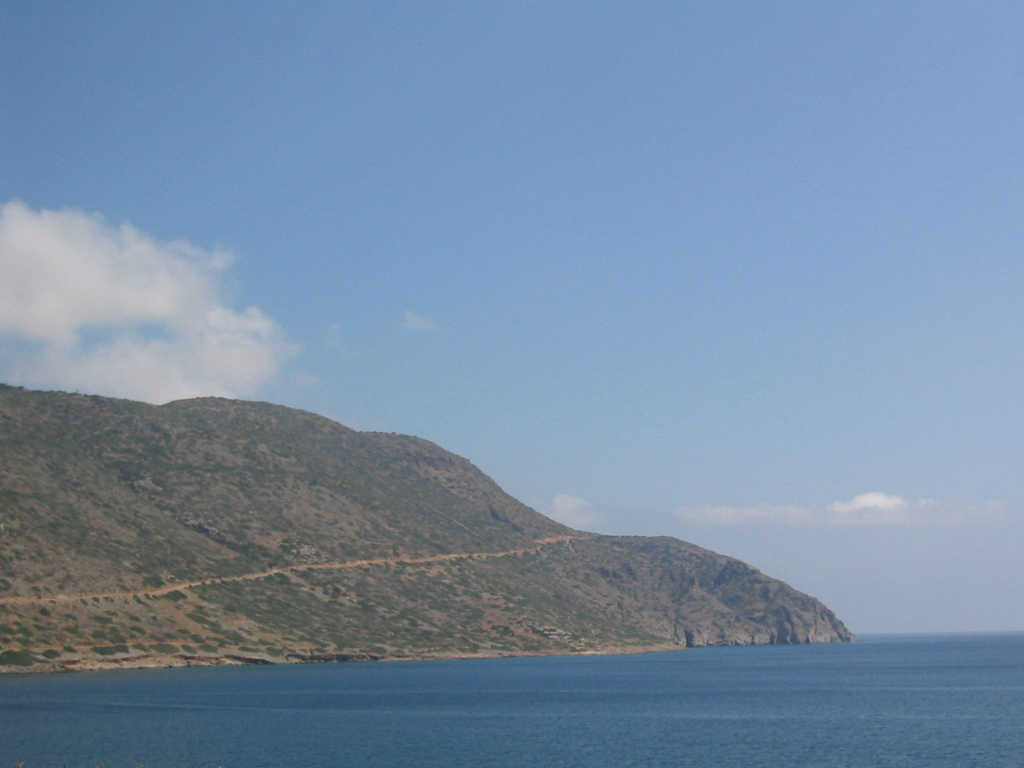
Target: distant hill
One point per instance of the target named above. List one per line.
(221, 531)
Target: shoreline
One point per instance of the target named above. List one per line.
(92, 663)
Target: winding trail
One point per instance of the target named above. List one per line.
(376, 562)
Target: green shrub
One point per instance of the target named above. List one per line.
(164, 648)
(18, 658)
(110, 650)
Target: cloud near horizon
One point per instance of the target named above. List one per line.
(572, 511)
(414, 322)
(866, 509)
(88, 306)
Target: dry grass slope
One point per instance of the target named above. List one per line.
(215, 531)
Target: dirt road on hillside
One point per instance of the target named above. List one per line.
(376, 562)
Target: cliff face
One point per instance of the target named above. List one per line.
(216, 531)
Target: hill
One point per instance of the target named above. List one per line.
(221, 531)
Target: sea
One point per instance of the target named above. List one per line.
(933, 701)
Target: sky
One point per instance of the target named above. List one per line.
(747, 274)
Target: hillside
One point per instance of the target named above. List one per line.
(221, 531)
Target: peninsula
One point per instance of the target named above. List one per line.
(214, 531)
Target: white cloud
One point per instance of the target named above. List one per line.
(783, 513)
(866, 509)
(879, 509)
(414, 322)
(572, 510)
(334, 340)
(89, 306)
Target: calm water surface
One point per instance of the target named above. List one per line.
(933, 701)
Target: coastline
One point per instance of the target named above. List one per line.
(93, 662)
(90, 662)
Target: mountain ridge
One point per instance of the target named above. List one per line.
(292, 537)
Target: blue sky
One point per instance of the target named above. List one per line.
(744, 273)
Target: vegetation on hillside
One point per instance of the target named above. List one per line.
(220, 531)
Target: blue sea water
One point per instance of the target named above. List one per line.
(933, 701)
